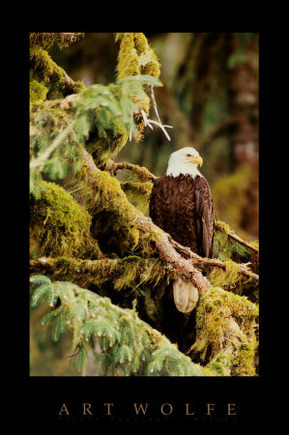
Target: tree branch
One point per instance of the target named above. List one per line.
(142, 172)
(157, 236)
(200, 261)
(226, 229)
(181, 259)
(238, 239)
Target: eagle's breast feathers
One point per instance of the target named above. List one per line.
(183, 207)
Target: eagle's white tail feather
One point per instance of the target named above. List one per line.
(185, 295)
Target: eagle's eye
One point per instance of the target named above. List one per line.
(188, 155)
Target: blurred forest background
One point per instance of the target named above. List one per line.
(210, 97)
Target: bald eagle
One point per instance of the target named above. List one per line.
(181, 204)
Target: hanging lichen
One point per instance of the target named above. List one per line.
(232, 279)
(128, 273)
(135, 58)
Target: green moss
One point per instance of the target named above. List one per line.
(255, 243)
(226, 327)
(216, 369)
(127, 58)
(38, 92)
(134, 271)
(140, 42)
(105, 197)
(147, 58)
(52, 75)
(136, 57)
(212, 371)
(46, 40)
(66, 39)
(138, 193)
(60, 225)
(42, 63)
(103, 148)
(129, 274)
(79, 86)
(229, 279)
(244, 360)
(222, 226)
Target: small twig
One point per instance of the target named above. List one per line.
(148, 122)
(219, 227)
(130, 131)
(238, 239)
(186, 252)
(155, 104)
(141, 171)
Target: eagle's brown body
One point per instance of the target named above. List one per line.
(183, 207)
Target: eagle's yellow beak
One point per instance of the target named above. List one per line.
(195, 159)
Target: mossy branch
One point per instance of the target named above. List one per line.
(226, 229)
(59, 226)
(129, 272)
(227, 330)
(136, 56)
(45, 40)
(181, 258)
(50, 72)
(212, 262)
(159, 240)
(140, 171)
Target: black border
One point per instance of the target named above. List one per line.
(259, 405)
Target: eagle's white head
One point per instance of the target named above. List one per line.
(184, 161)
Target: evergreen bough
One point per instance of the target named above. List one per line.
(118, 340)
